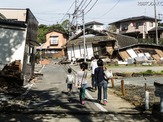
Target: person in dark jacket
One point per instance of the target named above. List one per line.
(101, 82)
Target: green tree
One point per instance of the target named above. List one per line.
(42, 30)
(65, 24)
(56, 27)
(160, 24)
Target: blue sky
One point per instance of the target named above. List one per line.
(105, 11)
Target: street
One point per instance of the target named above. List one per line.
(48, 102)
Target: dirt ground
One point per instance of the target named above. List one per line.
(136, 95)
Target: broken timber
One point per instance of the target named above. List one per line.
(10, 76)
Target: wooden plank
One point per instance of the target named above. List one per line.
(159, 52)
(109, 49)
(156, 57)
(124, 55)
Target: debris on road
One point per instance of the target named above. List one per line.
(10, 76)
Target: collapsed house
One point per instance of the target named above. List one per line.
(114, 47)
(139, 53)
(102, 43)
(18, 30)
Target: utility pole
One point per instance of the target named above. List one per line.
(156, 26)
(84, 35)
(69, 28)
(76, 15)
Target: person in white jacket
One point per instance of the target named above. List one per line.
(81, 82)
(93, 66)
(70, 80)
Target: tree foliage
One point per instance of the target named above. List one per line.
(160, 24)
(43, 29)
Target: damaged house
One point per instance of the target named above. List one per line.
(18, 30)
(113, 47)
(52, 48)
(140, 53)
(102, 43)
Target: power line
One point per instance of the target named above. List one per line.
(91, 7)
(83, 4)
(44, 20)
(77, 9)
(46, 13)
(67, 11)
(83, 9)
(110, 9)
(87, 5)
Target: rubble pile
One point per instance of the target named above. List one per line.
(10, 77)
(11, 73)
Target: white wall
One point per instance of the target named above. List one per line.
(79, 52)
(98, 27)
(90, 51)
(12, 43)
(70, 53)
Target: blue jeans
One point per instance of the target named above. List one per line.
(93, 81)
(102, 86)
(82, 91)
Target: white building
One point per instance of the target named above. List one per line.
(18, 30)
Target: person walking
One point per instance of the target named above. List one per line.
(93, 66)
(70, 80)
(101, 82)
(81, 82)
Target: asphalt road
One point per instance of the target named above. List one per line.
(49, 102)
(52, 96)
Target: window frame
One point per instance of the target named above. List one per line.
(54, 40)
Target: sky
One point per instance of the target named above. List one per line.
(51, 12)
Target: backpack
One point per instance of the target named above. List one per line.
(108, 74)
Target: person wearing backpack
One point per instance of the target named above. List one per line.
(101, 82)
(70, 81)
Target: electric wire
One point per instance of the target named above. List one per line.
(76, 12)
(77, 9)
(83, 9)
(67, 12)
(91, 7)
(83, 4)
(110, 9)
(44, 20)
(87, 5)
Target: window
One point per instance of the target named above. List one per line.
(138, 24)
(124, 26)
(54, 40)
(151, 24)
